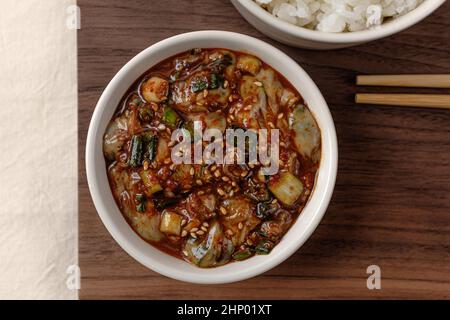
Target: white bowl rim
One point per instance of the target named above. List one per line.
(257, 265)
(386, 29)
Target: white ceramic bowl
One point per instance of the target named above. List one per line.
(305, 38)
(103, 198)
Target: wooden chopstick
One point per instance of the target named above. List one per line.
(402, 99)
(405, 80)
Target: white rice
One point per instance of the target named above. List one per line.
(338, 15)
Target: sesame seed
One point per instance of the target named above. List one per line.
(270, 124)
(170, 194)
(225, 84)
(185, 252)
(206, 224)
(223, 210)
(225, 178)
(214, 167)
(229, 232)
(217, 173)
(146, 164)
(192, 171)
(233, 184)
(205, 93)
(183, 222)
(161, 127)
(199, 182)
(240, 226)
(167, 161)
(244, 174)
(249, 242)
(201, 192)
(194, 229)
(200, 232)
(184, 233)
(193, 235)
(220, 191)
(280, 115)
(258, 84)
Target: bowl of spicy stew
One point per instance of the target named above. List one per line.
(158, 165)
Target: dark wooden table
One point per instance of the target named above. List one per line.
(391, 205)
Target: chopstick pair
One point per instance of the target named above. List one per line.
(403, 99)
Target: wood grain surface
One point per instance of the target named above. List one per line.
(391, 205)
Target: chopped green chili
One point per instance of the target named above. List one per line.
(198, 84)
(140, 207)
(152, 145)
(136, 151)
(140, 197)
(171, 117)
(215, 81)
(242, 255)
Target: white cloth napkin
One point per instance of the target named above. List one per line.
(38, 143)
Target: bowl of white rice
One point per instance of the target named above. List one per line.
(331, 24)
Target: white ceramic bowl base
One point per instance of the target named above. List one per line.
(311, 39)
(103, 198)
